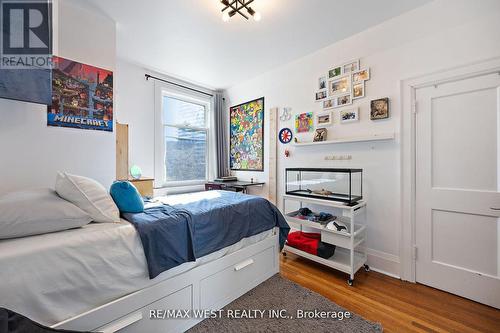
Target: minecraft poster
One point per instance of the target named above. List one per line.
(82, 96)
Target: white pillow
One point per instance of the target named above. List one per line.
(88, 195)
(37, 212)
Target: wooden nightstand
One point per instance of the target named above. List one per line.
(144, 186)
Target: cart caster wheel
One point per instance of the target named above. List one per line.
(367, 268)
(350, 282)
(284, 254)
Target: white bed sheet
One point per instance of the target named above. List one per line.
(56, 276)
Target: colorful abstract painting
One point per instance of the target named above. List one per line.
(304, 122)
(82, 96)
(247, 136)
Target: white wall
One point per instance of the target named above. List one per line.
(134, 99)
(31, 152)
(441, 35)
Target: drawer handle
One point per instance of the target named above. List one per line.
(121, 324)
(243, 264)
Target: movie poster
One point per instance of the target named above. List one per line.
(247, 136)
(82, 96)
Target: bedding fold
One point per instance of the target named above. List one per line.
(179, 233)
(166, 235)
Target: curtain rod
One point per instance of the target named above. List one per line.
(176, 84)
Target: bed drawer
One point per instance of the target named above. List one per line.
(222, 285)
(139, 321)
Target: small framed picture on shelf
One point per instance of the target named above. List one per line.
(350, 67)
(320, 135)
(320, 95)
(322, 83)
(324, 119)
(349, 115)
(379, 109)
(358, 90)
(304, 122)
(340, 85)
(361, 75)
(334, 72)
(328, 104)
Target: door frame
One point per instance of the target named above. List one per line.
(407, 243)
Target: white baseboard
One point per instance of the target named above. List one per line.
(384, 263)
(385, 273)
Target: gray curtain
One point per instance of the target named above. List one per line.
(221, 134)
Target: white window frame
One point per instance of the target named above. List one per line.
(160, 149)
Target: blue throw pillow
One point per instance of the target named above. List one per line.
(126, 197)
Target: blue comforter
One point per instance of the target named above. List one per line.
(173, 235)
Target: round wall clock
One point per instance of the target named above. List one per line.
(285, 135)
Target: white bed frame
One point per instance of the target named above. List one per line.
(210, 286)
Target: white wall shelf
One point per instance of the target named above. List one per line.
(366, 138)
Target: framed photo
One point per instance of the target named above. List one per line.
(246, 151)
(338, 86)
(320, 95)
(322, 83)
(358, 90)
(320, 135)
(304, 122)
(350, 67)
(349, 115)
(343, 100)
(324, 119)
(334, 72)
(328, 104)
(379, 109)
(361, 75)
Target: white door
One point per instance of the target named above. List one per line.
(457, 187)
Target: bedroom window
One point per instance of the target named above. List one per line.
(184, 141)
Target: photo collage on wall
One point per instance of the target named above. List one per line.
(342, 85)
(338, 88)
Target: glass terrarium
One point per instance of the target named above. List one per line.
(344, 185)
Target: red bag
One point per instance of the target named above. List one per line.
(310, 242)
(304, 241)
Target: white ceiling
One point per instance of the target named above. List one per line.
(188, 40)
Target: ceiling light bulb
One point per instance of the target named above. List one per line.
(257, 17)
(225, 17)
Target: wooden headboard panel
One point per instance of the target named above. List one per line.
(121, 151)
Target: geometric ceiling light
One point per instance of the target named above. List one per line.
(231, 7)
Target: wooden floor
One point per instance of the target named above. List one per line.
(399, 306)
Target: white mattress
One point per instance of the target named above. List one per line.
(53, 277)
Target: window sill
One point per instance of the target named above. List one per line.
(169, 190)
